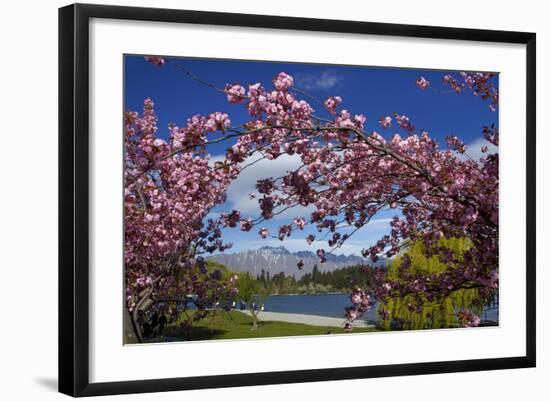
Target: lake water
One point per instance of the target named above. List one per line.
(331, 305)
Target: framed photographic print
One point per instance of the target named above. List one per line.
(249, 199)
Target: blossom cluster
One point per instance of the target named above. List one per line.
(422, 83)
(478, 82)
(468, 318)
(361, 302)
(170, 186)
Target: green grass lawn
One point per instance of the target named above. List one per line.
(220, 325)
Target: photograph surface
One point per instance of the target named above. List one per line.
(269, 199)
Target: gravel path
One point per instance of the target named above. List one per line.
(306, 319)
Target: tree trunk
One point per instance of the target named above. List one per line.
(143, 303)
(254, 319)
(130, 330)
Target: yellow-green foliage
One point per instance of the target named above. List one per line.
(439, 313)
(212, 265)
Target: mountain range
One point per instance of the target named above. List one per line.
(279, 259)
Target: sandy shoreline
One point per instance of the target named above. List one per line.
(312, 320)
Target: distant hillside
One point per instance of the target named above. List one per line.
(279, 259)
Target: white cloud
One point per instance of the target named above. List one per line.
(237, 194)
(239, 190)
(376, 222)
(327, 80)
(473, 149)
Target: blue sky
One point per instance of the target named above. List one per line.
(372, 91)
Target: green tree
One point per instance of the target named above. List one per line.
(262, 277)
(315, 276)
(251, 291)
(439, 312)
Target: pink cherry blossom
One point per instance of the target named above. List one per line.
(478, 82)
(235, 93)
(300, 222)
(156, 60)
(332, 103)
(455, 144)
(168, 192)
(468, 318)
(385, 122)
(283, 81)
(246, 224)
(404, 122)
(422, 83)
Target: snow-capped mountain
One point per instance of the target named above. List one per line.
(278, 259)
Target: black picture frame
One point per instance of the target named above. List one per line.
(74, 199)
